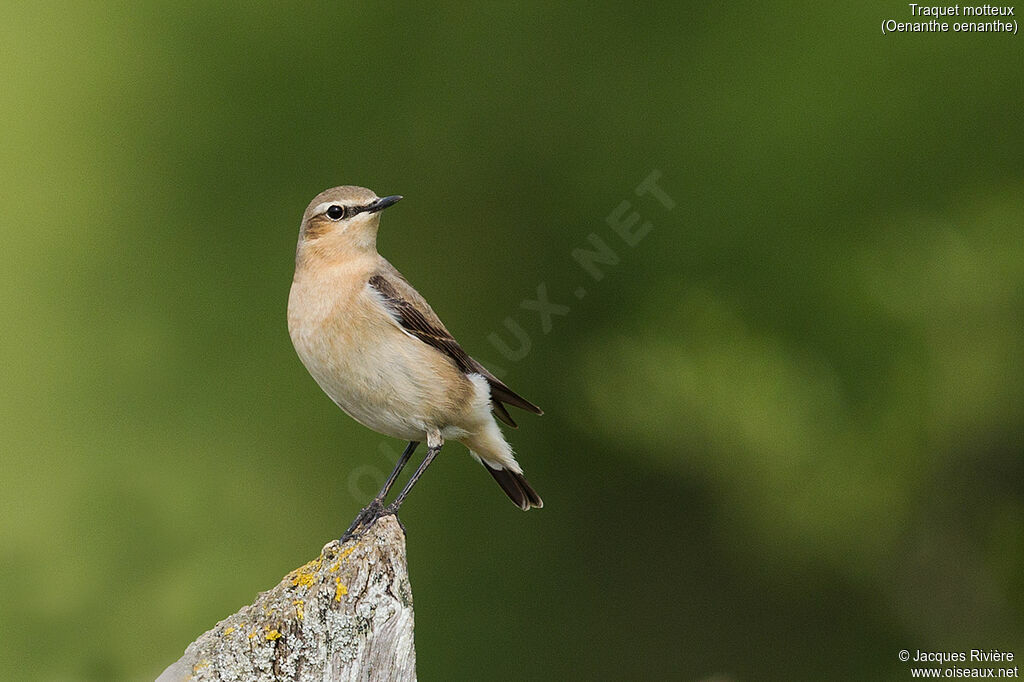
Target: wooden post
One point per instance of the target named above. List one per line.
(346, 615)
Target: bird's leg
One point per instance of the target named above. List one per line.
(375, 509)
(434, 443)
(409, 449)
(431, 454)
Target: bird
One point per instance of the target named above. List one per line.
(375, 346)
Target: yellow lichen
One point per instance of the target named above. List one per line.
(272, 635)
(228, 630)
(253, 633)
(205, 663)
(339, 589)
(300, 611)
(306, 575)
(341, 557)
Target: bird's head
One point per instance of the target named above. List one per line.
(343, 220)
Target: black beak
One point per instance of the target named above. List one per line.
(382, 203)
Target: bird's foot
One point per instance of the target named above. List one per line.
(364, 519)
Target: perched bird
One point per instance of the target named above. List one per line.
(376, 347)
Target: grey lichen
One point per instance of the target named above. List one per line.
(346, 615)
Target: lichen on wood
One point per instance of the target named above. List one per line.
(346, 615)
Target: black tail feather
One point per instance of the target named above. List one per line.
(516, 487)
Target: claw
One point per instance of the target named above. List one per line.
(364, 519)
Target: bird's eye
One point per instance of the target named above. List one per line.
(336, 212)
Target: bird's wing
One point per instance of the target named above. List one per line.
(416, 317)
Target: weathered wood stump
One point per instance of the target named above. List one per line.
(346, 615)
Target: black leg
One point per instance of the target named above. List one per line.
(431, 454)
(375, 509)
(409, 449)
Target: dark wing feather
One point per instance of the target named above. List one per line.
(422, 322)
(501, 392)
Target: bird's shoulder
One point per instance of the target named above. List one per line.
(412, 312)
(399, 294)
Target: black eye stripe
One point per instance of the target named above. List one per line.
(338, 211)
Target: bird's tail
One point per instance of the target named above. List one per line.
(490, 448)
(516, 487)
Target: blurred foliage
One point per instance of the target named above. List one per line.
(783, 435)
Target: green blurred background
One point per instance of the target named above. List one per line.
(784, 433)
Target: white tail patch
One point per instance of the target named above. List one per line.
(485, 440)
